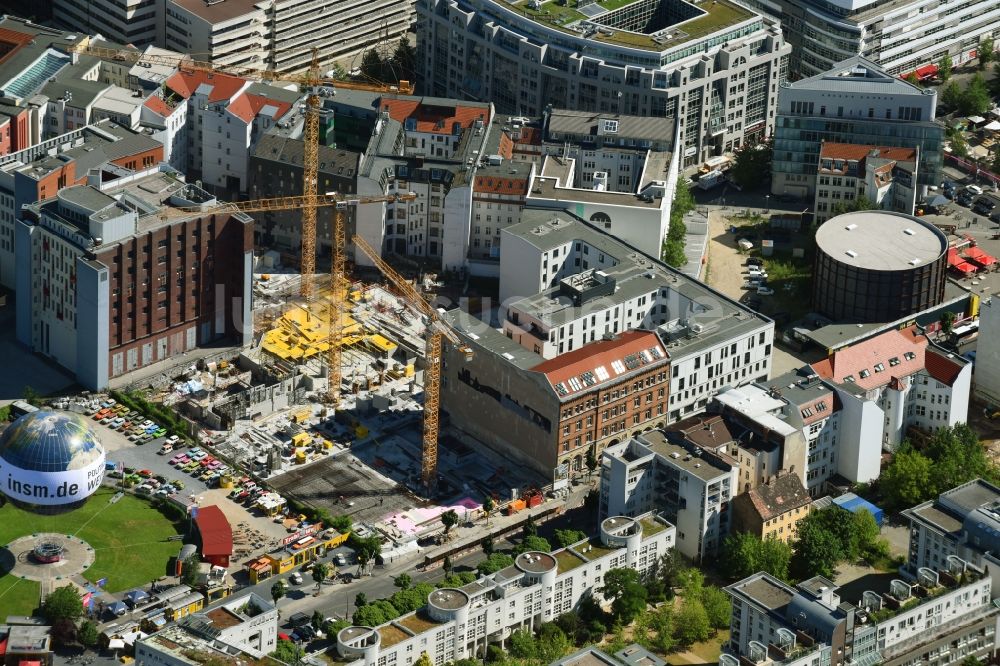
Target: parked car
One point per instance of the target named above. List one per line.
(765, 291)
(340, 560)
(964, 199)
(755, 261)
(974, 190)
(295, 578)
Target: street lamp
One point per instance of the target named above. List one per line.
(767, 203)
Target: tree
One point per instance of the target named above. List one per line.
(552, 642)
(189, 570)
(817, 549)
(278, 591)
(691, 624)
(631, 603)
(670, 570)
(288, 652)
(488, 506)
(744, 554)
(975, 99)
(342, 524)
(616, 580)
(673, 253)
(494, 563)
(317, 620)
(404, 59)
(449, 519)
(447, 565)
(951, 96)
(488, 545)
(522, 645)
(568, 537)
(62, 603)
(88, 634)
(31, 396)
(913, 78)
(985, 52)
(424, 660)
(717, 607)
(944, 68)
(371, 65)
(533, 543)
(64, 632)
(591, 461)
(320, 572)
(403, 581)
(971, 661)
(361, 599)
(947, 321)
(865, 534)
(907, 480)
(530, 528)
(752, 164)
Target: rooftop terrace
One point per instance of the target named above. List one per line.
(654, 25)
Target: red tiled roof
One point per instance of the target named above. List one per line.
(224, 86)
(11, 41)
(434, 119)
(157, 105)
(857, 152)
(888, 349)
(780, 495)
(216, 533)
(248, 105)
(942, 368)
(603, 360)
(498, 185)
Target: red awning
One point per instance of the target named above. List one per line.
(927, 71)
(26, 662)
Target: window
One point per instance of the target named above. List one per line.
(865, 373)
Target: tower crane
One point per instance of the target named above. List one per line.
(437, 329)
(309, 82)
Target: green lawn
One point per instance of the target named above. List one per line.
(17, 596)
(128, 537)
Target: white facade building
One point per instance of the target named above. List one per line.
(987, 371)
(713, 68)
(886, 384)
(230, 34)
(887, 177)
(564, 283)
(459, 623)
(688, 486)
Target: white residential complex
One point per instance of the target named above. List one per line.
(712, 67)
(458, 623)
(901, 37)
(687, 485)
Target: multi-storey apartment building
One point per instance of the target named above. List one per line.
(39, 172)
(712, 67)
(963, 523)
(887, 177)
(114, 280)
(230, 34)
(772, 510)
(459, 623)
(941, 618)
(901, 37)
(886, 384)
(689, 486)
(590, 293)
(790, 423)
(125, 22)
(854, 101)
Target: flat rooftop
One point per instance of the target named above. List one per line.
(588, 656)
(652, 25)
(636, 274)
(880, 240)
(448, 599)
(701, 466)
(548, 187)
(535, 562)
(770, 594)
(935, 516)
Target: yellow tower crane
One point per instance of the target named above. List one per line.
(309, 82)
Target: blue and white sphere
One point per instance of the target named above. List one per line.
(50, 461)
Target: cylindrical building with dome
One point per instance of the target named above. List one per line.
(50, 462)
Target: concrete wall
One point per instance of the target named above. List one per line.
(93, 308)
(861, 427)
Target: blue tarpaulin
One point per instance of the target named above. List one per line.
(853, 503)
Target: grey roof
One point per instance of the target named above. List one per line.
(721, 318)
(490, 339)
(274, 92)
(546, 188)
(87, 197)
(584, 123)
(276, 147)
(858, 75)
(879, 240)
(765, 591)
(704, 466)
(22, 58)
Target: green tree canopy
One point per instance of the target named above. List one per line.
(288, 652)
(533, 543)
(494, 563)
(88, 634)
(402, 581)
(752, 164)
(449, 519)
(907, 480)
(986, 52)
(568, 537)
(744, 554)
(718, 608)
(691, 623)
(944, 68)
(278, 590)
(62, 603)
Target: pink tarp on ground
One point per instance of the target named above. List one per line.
(418, 520)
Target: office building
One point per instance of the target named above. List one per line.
(459, 623)
(856, 102)
(690, 487)
(846, 172)
(712, 67)
(772, 510)
(901, 37)
(126, 22)
(280, 34)
(961, 523)
(112, 278)
(245, 627)
(887, 384)
(941, 618)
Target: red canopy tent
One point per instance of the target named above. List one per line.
(926, 72)
(978, 256)
(959, 263)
